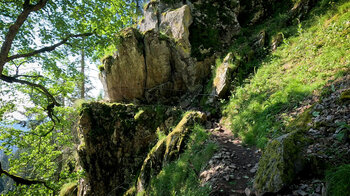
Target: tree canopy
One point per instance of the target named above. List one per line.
(39, 41)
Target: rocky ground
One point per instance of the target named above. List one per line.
(232, 168)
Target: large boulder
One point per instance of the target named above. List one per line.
(115, 140)
(223, 75)
(124, 73)
(154, 65)
(280, 163)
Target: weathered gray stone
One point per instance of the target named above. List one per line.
(158, 54)
(279, 164)
(222, 78)
(124, 74)
(175, 24)
(150, 20)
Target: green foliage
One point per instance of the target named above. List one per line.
(181, 177)
(338, 180)
(43, 149)
(41, 157)
(257, 109)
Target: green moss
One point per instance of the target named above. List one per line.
(279, 164)
(180, 177)
(138, 114)
(69, 189)
(101, 68)
(345, 95)
(301, 122)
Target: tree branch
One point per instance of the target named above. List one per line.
(27, 76)
(38, 86)
(41, 88)
(14, 28)
(47, 49)
(19, 180)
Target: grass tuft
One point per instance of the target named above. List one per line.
(338, 180)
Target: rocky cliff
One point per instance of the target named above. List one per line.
(171, 53)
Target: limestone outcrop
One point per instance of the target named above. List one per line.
(172, 51)
(154, 64)
(115, 140)
(167, 149)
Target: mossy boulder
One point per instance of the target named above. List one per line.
(167, 149)
(115, 140)
(280, 163)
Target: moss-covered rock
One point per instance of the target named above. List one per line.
(115, 139)
(69, 189)
(345, 95)
(280, 163)
(167, 149)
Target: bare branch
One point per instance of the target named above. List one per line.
(47, 49)
(27, 76)
(37, 86)
(19, 180)
(14, 28)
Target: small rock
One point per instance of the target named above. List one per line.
(299, 192)
(318, 189)
(249, 165)
(303, 186)
(253, 170)
(330, 118)
(247, 192)
(227, 178)
(246, 177)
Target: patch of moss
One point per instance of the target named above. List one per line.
(101, 68)
(69, 189)
(280, 163)
(345, 95)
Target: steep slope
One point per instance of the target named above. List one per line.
(279, 57)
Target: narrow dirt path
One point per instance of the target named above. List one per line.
(232, 168)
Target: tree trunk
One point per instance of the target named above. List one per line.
(82, 87)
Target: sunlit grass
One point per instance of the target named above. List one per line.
(319, 52)
(181, 177)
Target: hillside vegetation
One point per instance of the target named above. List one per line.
(316, 52)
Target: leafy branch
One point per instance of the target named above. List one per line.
(19, 180)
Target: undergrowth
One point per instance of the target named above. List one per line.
(181, 177)
(315, 54)
(338, 181)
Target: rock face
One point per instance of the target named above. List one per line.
(115, 140)
(167, 149)
(172, 52)
(279, 164)
(124, 74)
(222, 78)
(155, 64)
